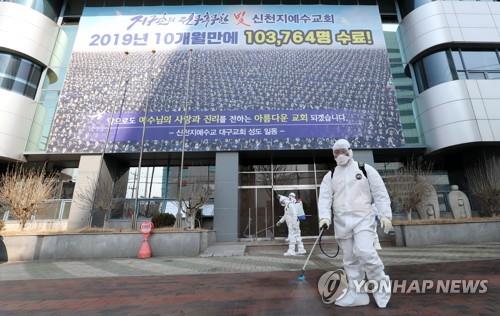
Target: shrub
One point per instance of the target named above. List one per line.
(484, 184)
(163, 220)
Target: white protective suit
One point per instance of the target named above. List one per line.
(293, 224)
(352, 194)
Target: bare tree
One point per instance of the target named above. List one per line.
(96, 196)
(409, 185)
(193, 201)
(24, 190)
(484, 184)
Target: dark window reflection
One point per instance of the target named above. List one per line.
(19, 75)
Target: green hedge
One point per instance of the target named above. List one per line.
(163, 220)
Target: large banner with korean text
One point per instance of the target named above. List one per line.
(226, 78)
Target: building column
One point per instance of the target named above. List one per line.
(226, 215)
(90, 179)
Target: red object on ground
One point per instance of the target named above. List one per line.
(145, 250)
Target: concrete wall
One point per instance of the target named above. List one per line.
(104, 245)
(457, 233)
(38, 225)
(226, 196)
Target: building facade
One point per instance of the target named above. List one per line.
(429, 90)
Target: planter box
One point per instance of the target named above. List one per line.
(103, 245)
(415, 235)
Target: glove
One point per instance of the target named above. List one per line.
(386, 224)
(324, 222)
(278, 224)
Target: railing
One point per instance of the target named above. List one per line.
(51, 209)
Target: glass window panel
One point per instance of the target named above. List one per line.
(480, 60)
(24, 70)
(457, 60)
(12, 66)
(18, 87)
(67, 207)
(148, 208)
(294, 178)
(4, 63)
(437, 69)
(493, 75)
(461, 75)
(477, 75)
(49, 210)
(301, 167)
(255, 178)
(36, 73)
(30, 92)
(320, 167)
(255, 167)
(420, 76)
(6, 83)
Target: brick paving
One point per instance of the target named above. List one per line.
(254, 293)
(262, 262)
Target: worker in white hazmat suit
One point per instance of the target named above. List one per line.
(292, 222)
(351, 194)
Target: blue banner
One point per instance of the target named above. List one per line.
(241, 77)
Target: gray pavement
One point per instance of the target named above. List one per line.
(264, 261)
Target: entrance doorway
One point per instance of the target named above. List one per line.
(260, 210)
(256, 213)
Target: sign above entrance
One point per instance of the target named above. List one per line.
(227, 78)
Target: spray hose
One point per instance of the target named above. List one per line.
(321, 247)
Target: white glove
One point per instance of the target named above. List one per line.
(386, 224)
(323, 222)
(278, 223)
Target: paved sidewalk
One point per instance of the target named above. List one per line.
(266, 293)
(262, 262)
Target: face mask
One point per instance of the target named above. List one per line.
(342, 160)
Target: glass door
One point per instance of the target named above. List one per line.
(256, 213)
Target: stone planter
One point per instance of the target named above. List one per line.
(104, 245)
(422, 234)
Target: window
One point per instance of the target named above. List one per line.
(480, 60)
(456, 64)
(19, 75)
(432, 70)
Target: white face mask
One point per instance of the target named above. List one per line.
(342, 160)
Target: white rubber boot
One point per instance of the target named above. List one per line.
(290, 251)
(301, 250)
(383, 295)
(351, 298)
